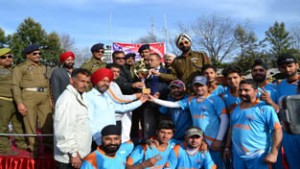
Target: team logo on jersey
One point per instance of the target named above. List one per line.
(250, 117)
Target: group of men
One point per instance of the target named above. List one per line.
(188, 120)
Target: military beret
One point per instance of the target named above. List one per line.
(128, 55)
(144, 47)
(97, 46)
(31, 48)
(4, 51)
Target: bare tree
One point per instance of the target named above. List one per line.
(216, 35)
(67, 42)
(295, 34)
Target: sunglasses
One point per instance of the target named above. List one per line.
(195, 136)
(5, 57)
(100, 51)
(36, 53)
(119, 58)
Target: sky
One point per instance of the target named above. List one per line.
(93, 21)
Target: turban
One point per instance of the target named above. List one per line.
(180, 37)
(63, 57)
(169, 56)
(111, 130)
(100, 74)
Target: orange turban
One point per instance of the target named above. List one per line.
(64, 56)
(100, 74)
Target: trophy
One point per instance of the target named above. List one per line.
(142, 72)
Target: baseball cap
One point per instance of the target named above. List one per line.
(177, 83)
(286, 59)
(200, 80)
(193, 131)
(4, 51)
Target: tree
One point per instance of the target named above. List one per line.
(52, 50)
(216, 35)
(279, 38)
(3, 39)
(31, 32)
(67, 42)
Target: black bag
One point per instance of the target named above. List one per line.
(290, 113)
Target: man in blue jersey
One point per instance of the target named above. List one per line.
(288, 65)
(181, 118)
(233, 77)
(188, 154)
(210, 72)
(208, 113)
(267, 91)
(164, 133)
(251, 125)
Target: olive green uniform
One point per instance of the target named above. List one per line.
(189, 64)
(31, 87)
(8, 112)
(93, 64)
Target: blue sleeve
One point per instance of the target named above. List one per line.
(219, 105)
(208, 162)
(184, 103)
(128, 147)
(271, 117)
(86, 165)
(172, 160)
(137, 156)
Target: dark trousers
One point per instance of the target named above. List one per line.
(60, 165)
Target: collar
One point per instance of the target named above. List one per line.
(243, 106)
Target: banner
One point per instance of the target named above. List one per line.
(158, 47)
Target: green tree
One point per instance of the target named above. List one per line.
(31, 32)
(3, 39)
(279, 38)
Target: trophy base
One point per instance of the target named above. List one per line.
(146, 91)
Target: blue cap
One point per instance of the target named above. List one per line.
(97, 46)
(200, 80)
(31, 48)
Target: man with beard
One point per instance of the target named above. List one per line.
(251, 125)
(102, 107)
(164, 133)
(188, 154)
(210, 72)
(288, 65)
(72, 135)
(96, 62)
(267, 91)
(112, 153)
(181, 118)
(189, 62)
(60, 77)
(208, 113)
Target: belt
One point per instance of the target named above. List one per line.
(6, 98)
(36, 89)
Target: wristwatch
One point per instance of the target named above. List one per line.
(73, 154)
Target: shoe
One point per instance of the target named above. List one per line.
(9, 153)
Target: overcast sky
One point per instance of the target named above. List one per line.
(92, 21)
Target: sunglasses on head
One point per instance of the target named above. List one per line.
(5, 57)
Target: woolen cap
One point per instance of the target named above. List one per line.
(4, 51)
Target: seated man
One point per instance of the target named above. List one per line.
(164, 133)
(189, 154)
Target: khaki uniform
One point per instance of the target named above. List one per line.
(8, 112)
(93, 64)
(31, 87)
(188, 65)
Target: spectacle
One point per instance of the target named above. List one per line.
(119, 58)
(36, 53)
(5, 57)
(100, 51)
